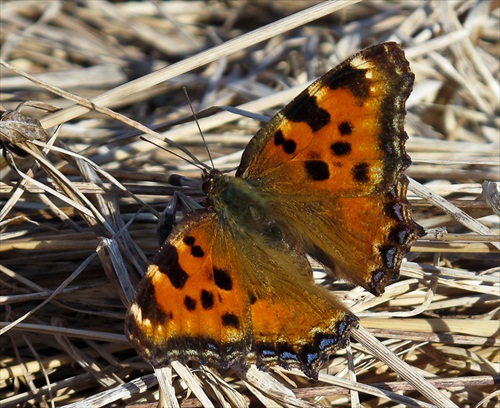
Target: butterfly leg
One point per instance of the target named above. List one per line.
(179, 201)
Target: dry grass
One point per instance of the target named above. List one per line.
(80, 209)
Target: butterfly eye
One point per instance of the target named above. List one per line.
(207, 186)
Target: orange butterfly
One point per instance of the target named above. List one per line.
(323, 178)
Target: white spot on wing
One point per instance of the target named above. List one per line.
(359, 62)
(135, 311)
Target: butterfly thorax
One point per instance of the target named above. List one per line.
(236, 201)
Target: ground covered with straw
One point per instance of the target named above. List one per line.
(82, 190)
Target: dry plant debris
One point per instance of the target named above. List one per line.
(81, 192)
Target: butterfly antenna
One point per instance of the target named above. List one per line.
(192, 162)
(199, 128)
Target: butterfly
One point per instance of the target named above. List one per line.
(323, 178)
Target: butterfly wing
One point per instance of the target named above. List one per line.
(187, 305)
(220, 294)
(331, 163)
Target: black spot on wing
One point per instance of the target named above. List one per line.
(317, 170)
(353, 79)
(167, 262)
(345, 128)
(305, 109)
(279, 138)
(288, 145)
(360, 172)
(230, 320)
(190, 303)
(150, 310)
(341, 148)
(207, 299)
(196, 250)
(222, 279)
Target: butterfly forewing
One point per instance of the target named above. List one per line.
(193, 302)
(331, 163)
(343, 135)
